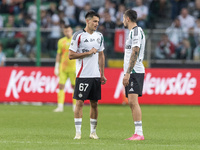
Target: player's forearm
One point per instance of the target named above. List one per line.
(133, 59)
(74, 55)
(101, 62)
(58, 58)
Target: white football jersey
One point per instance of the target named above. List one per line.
(135, 38)
(82, 41)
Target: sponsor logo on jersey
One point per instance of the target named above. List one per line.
(86, 40)
(85, 50)
(91, 40)
(135, 41)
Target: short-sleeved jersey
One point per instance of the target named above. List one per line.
(2, 57)
(135, 38)
(82, 41)
(66, 64)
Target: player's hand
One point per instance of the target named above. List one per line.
(126, 79)
(93, 51)
(56, 71)
(103, 80)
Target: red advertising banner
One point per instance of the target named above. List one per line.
(172, 86)
(119, 40)
(161, 86)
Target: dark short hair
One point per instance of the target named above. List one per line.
(91, 14)
(67, 26)
(132, 14)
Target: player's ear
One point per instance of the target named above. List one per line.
(87, 20)
(128, 19)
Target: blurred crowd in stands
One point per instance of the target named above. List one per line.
(179, 18)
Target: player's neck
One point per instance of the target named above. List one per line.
(67, 37)
(88, 30)
(132, 25)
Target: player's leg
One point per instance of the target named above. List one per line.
(60, 99)
(82, 92)
(135, 107)
(73, 101)
(137, 117)
(80, 96)
(78, 113)
(72, 77)
(93, 119)
(94, 96)
(136, 113)
(61, 93)
(132, 91)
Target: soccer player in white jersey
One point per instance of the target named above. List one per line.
(134, 69)
(87, 47)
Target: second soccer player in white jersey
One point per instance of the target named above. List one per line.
(87, 47)
(134, 69)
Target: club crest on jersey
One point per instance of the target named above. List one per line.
(99, 40)
(131, 83)
(80, 95)
(128, 46)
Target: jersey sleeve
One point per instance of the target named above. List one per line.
(75, 42)
(136, 38)
(59, 50)
(4, 58)
(101, 43)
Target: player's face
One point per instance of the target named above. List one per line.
(68, 32)
(125, 21)
(93, 23)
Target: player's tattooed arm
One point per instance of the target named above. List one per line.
(133, 59)
(132, 62)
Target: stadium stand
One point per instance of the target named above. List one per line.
(54, 13)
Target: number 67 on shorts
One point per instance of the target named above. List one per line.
(87, 88)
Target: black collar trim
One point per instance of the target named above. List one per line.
(135, 27)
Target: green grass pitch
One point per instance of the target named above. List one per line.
(27, 127)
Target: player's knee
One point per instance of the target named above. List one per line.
(133, 104)
(79, 103)
(61, 86)
(93, 104)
